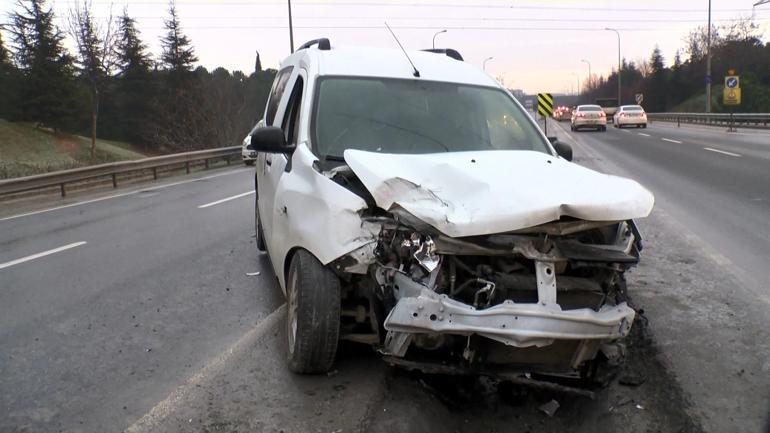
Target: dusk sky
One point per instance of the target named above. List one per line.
(537, 46)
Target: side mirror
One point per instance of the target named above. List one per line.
(270, 139)
(563, 149)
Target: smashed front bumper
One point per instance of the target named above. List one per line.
(518, 325)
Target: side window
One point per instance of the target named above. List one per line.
(291, 119)
(279, 86)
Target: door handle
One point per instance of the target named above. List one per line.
(268, 160)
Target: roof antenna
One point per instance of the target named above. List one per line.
(416, 72)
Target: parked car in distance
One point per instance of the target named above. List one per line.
(248, 154)
(630, 115)
(588, 116)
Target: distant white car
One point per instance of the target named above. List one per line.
(589, 116)
(248, 153)
(630, 115)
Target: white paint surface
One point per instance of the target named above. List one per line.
(723, 152)
(224, 200)
(39, 255)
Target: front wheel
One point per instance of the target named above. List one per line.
(248, 161)
(313, 316)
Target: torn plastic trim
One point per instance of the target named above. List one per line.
(519, 325)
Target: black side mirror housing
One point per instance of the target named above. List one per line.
(270, 139)
(563, 149)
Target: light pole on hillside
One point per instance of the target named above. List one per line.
(708, 64)
(484, 65)
(434, 37)
(619, 64)
(589, 73)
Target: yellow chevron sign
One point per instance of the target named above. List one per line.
(545, 104)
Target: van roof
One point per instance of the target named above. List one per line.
(390, 63)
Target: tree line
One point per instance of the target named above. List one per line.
(111, 86)
(681, 86)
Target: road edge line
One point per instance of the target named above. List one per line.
(165, 407)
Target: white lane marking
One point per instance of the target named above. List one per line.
(671, 141)
(151, 420)
(626, 130)
(569, 136)
(643, 134)
(149, 186)
(722, 152)
(214, 203)
(39, 255)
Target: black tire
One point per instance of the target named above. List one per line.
(644, 126)
(313, 315)
(604, 129)
(258, 227)
(249, 162)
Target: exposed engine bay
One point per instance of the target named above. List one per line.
(542, 300)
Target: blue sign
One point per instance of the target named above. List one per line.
(731, 82)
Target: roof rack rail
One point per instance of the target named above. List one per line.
(449, 52)
(323, 44)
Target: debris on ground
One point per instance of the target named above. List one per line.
(631, 379)
(550, 408)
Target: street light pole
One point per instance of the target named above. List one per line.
(589, 73)
(619, 64)
(708, 65)
(291, 30)
(484, 65)
(434, 37)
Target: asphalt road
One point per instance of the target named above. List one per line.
(142, 316)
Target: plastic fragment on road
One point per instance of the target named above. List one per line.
(550, 408)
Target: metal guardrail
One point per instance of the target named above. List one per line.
(112, 169)
(743, 120)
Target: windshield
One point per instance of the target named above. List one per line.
(410, 116)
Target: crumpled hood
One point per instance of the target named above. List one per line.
(486, 192)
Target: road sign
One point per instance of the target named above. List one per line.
(732, 91)
(639, 98)
(545, 104)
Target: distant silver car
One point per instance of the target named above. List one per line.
(589, 116)
(630, 115)
(248, 153)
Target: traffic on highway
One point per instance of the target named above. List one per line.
(366, 232)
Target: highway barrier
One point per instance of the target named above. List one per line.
(113, 169)
(730, 120)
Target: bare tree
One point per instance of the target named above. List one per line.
(643, 66)
(96, 49)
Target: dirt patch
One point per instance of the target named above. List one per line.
(65, 143)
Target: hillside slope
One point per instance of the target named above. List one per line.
(27, 150)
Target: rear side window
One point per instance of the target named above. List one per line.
(279, 86)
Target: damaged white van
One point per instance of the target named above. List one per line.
(407, 201)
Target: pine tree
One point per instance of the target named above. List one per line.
(178, 54)
(5, 57)
(7, 76)
(46, 93)
(133, 59)
(657, 87)
(258, 64)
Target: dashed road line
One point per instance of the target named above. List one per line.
(214, 203)
(125, 194)
(671, 141)
(39, 255)
(643, 134)
(723, 152)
